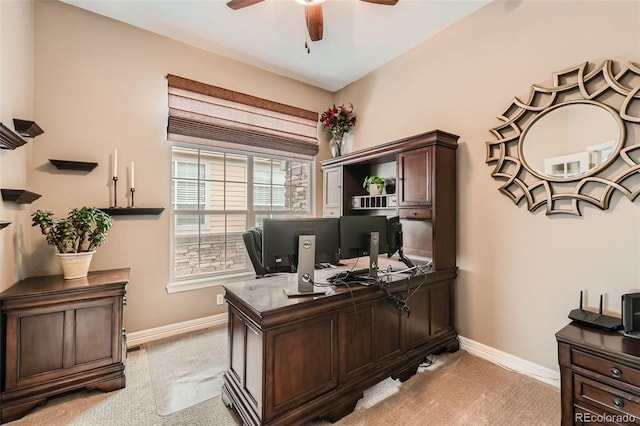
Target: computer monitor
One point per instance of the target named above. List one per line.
(364, 236)
(282, 246)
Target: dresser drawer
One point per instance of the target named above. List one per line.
(410, 213)
(606, 367)
(606, 397)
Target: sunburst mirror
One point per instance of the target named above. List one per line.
(575, 141)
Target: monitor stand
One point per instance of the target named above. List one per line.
(374, 248)
(306, 267)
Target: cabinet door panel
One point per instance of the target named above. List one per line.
(94, 333)
(387, 330)
(41, 343)
(332, 189)
(414, 174)
(356, 348)
(302, 363)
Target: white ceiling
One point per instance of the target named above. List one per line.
(358, 36)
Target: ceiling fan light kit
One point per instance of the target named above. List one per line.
(312, 12)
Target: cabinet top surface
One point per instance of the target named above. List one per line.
(604, 341)
(56, 283)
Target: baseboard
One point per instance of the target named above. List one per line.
(511, 362)
(139, 337)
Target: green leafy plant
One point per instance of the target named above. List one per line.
(83, 230)
(373, 180)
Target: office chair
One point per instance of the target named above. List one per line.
(253, 243)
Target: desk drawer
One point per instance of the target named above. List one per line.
(606, 367)
(605, 397)
(410, 213)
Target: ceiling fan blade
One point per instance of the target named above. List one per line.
(239, 4)
(313, 16)
(385, 2)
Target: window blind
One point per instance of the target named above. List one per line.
(208, 115)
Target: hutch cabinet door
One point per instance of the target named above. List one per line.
(414, 177)
(332, 192)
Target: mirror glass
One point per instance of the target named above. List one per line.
(571, 140)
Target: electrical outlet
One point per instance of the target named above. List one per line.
(220, 299)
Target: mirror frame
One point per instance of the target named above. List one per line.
(616, 92)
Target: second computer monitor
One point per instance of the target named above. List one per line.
(355, 235)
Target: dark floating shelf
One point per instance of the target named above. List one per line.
(20, 196)
(132, 211)
(8, 139)
(26, 128)
(4, 224)
(73, 165)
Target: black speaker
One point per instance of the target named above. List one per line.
(631, 314)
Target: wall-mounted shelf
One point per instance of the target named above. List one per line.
(27, 128)
(132, 211)
(4, 224)
(8, 139)
(20, 196)
(73, 165)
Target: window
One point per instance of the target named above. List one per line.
(211, 208)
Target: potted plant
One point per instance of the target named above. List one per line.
(373, 185)
(75, 237)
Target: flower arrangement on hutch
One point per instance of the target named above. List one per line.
(338, 120)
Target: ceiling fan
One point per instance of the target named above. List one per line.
(312, 12)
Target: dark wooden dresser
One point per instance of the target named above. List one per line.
(59, 335)
(600, 376)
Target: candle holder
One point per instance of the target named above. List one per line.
(115, 191)
(133, 190)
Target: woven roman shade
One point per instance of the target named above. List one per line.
(208, 115)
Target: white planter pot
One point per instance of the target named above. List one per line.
(75, 265)
(374, 189)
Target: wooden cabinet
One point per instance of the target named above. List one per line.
(421, 190)
(59, 335)
(414, 177)
(331, 192)
(600, 376)
(294, 359)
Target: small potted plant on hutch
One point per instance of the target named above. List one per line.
(75, 237)
(373, 185)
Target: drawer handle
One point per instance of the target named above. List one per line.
(618, 402)
(615, 372)
(415, 213)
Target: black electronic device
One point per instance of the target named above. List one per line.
(280, 240)
(595, 319)
(631, 314)
(395, 241)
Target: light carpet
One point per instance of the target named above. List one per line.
(187, 369)
(458, 389)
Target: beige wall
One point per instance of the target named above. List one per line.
(16, 101)
(520, 272)
(100, 85)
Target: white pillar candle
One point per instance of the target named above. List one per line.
(115, 163)
(133, 185)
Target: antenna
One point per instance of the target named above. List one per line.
(580, 299)
(600, 309)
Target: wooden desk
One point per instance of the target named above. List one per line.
(599, 376)
(295, 359)
(59, 335)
